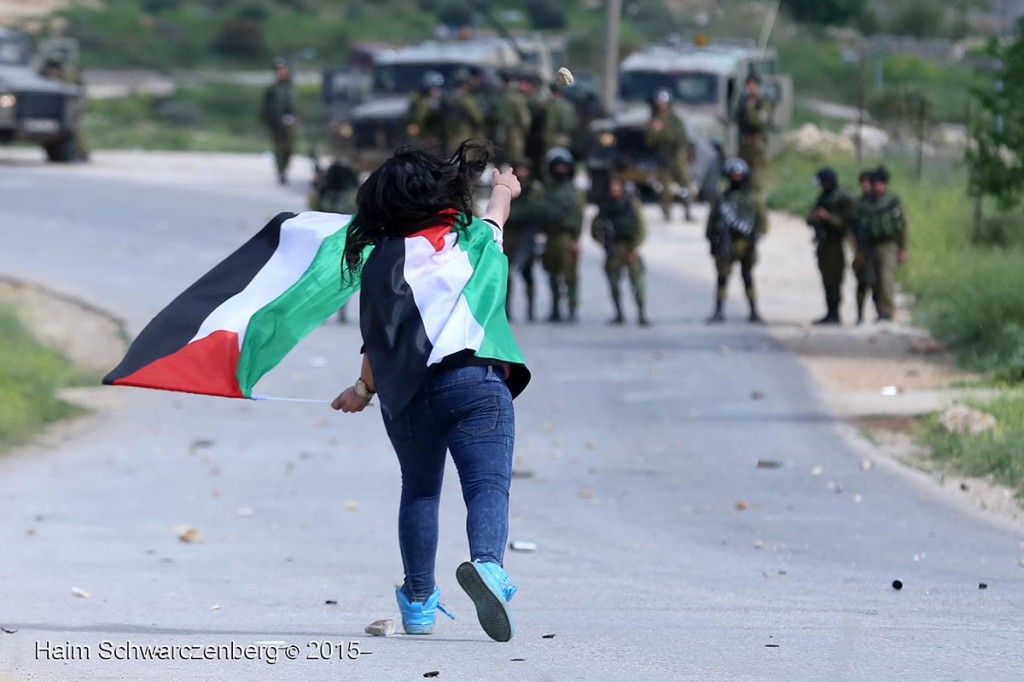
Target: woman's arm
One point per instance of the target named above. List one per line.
(355, 398)
(504, 188)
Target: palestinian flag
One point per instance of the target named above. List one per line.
(437, 293)
(240, 319)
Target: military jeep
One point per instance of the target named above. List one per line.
(706, 82)
(42, 109)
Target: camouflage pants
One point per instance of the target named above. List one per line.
(832, 265)
(884, 260)
(283, 139)
(561, 260)
(754, 150)
(624, 256)
(744, 252)
(675, 171)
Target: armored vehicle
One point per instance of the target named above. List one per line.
(45, 109)
(705, 82)
(372, 130)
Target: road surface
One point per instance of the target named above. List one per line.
(634, 448)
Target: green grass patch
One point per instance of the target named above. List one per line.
(30, 375)
(999, 452)
(210, 117)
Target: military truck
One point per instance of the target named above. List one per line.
(706, 82)
(372, 130)
(42, 109)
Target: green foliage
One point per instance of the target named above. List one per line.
(999, 452)
(825, 11)
(30, 375)
(998, 129)
(241, 37)
(921, 19)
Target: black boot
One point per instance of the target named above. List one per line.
(642, 316)
(832, 317)
(718, 315)
(619, 318)
(754, 318)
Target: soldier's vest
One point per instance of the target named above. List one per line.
(624, 220)
(737, 213)
(885, 220)
(562, 201)
(831, 202)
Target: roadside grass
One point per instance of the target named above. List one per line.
(999, 452)
(30, 375)
(207, 117)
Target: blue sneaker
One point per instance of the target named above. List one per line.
(487, 584)
(418, 616)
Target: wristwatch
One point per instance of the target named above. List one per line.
(362, 390)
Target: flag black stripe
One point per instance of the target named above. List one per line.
(176, 324)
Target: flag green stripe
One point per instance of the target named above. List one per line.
(279, 325)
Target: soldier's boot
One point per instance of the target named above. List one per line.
(529, 301)
(832, 317)
(556, 300)
(861, 295)
(755, 317)
(619, 318)
(572, 305)
(719, 314)
(641, 314)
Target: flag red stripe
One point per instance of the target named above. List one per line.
(206, 366)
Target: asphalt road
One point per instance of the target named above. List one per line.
(634, 447)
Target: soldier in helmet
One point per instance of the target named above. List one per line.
(886, 231)
(280, 116)
(511, 119)
(619, 227)
(562, 215)
(736, 222)
(754, 120)
(830, 219)
(425, 110)
(525, 223)
(463, 113)
(861, 265)
(666, 136)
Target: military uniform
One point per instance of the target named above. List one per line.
(279, 115)
(464, 117)
(424, 118)
(561, 212)
(519, 241)
(829, 234)
(753, 118)
(885, 229)
(736, 222)
(863, 270)
(667, 137)
(619, 227)
(560, 123)
(512, 118)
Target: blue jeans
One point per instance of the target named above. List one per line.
(467, 410)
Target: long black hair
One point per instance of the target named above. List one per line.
(406, 192)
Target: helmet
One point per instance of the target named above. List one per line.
(280, 63)
(433, 79)
(753, 76)
(663, 95)
(880, 174)
(560, 162)
(735, 166)
(826, 176)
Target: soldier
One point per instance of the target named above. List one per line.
(562, 215)
(830, 219)
(619, 227)
(861, 264)
(666, 135)
(334, 191)
(530, 86)
(425, 110)
(754, 119)
(463, 113)
(524, 224)
(886, 229)
(560, 120)
(511, 115)
(280, 117)
(736, 222)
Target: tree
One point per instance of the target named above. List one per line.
(825, 11)
(997, 153)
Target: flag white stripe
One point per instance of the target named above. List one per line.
(300, 240)
(437, 280)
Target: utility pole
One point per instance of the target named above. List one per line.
(610, 77)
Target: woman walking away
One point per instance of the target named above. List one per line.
(439, 353)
